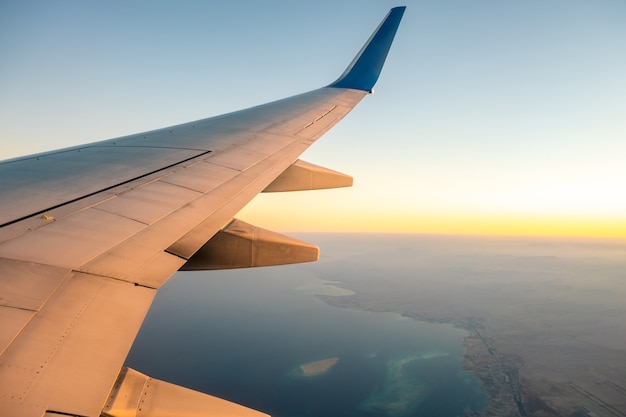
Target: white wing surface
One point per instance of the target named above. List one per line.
(89, 234)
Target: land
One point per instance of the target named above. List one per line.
(523, 378)
(546, 322)
(317, 368)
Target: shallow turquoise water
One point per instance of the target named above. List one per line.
(240, 335)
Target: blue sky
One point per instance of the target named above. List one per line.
(489, 116)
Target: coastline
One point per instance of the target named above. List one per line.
(480, 359)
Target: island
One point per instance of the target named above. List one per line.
(315, 368)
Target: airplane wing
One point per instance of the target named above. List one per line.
(90, 233)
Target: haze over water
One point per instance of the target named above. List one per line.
(243, 335)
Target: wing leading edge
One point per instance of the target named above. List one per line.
(89, 234)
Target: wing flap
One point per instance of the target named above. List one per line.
(89, 323)
(135, 394)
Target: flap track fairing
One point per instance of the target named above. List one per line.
(303, 175)
(242, 245)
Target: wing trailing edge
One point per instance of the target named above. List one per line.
(135, 394)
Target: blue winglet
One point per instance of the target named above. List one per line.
(364, 70)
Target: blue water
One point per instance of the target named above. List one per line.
(239, 335)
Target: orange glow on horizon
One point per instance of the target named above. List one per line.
(335, 219)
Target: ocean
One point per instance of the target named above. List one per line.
(402, 325)
(243, 335)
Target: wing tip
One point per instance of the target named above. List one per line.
(364, 70)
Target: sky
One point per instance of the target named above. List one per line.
(490, 117)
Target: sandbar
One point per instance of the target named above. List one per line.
(317, 367)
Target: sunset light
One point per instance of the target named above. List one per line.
(489, 118)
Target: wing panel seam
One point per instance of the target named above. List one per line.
(103, 189)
